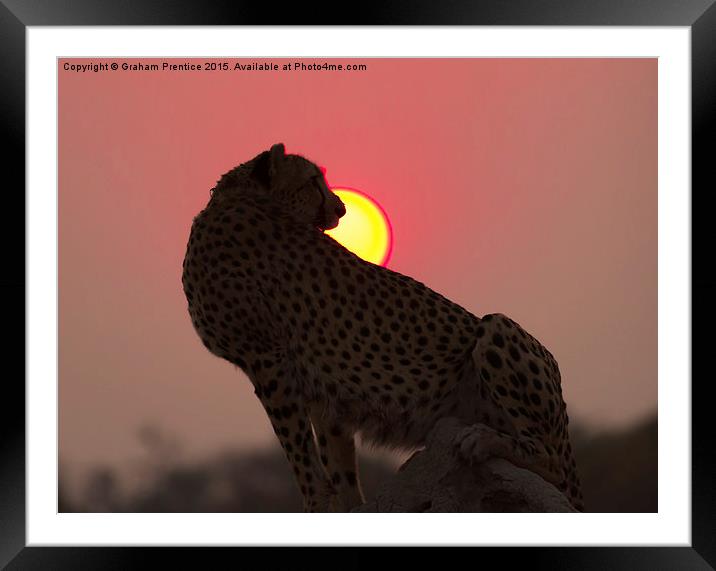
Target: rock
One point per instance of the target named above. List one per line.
(435, 479)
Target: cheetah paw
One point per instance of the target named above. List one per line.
(472, 443)
(325, 499)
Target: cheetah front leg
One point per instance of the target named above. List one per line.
(289, 417)
(336, 448)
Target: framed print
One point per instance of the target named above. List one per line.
(498, 193)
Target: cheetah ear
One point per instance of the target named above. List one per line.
(277, 154)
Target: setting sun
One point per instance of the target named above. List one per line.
(365, 229)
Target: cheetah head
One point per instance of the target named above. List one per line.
(300, 187)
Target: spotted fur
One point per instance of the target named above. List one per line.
(336, 346)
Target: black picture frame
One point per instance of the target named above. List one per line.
(17, 15)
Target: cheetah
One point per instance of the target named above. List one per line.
(337, 347)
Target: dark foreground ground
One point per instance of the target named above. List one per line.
(618, 471)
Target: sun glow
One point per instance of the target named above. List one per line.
(365, 229)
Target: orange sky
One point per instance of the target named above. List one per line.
(527, 187)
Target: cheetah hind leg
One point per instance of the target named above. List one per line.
(478, 442)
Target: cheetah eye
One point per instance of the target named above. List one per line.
(316, 185)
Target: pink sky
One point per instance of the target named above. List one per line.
(527, 187)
